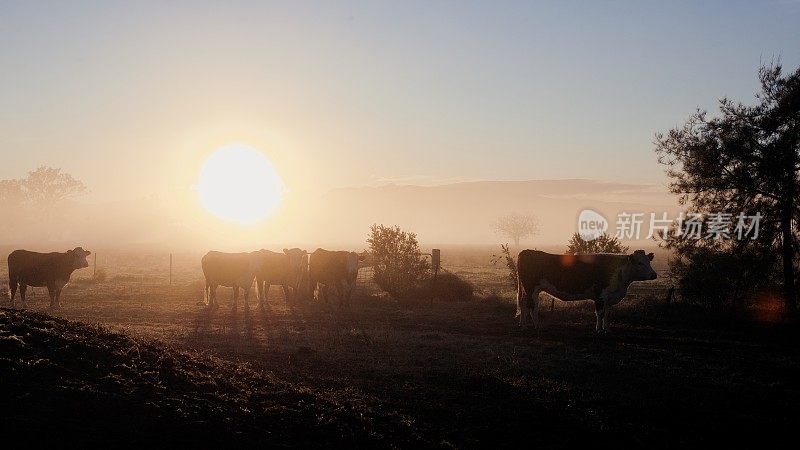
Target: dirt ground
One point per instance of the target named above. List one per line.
(461, 374)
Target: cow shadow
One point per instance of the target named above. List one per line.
(203, 321)
(232, 319)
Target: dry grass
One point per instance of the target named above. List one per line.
(463, 374)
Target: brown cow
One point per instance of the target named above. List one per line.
(338, 269)
(603, 278)
(51, 270)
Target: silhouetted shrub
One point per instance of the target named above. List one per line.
(602, 244)
(505, 259)
(450, 287)
(400, 268)
(719, 278)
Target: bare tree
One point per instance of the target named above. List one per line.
(516, 226)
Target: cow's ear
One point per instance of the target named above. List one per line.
(650, 256)
(88, 252)
(286, 251)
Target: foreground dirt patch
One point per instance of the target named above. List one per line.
(424, 374)
(64, 381)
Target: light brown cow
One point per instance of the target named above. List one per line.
(235, 270)
(285, 269)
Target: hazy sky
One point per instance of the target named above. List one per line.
(131, 96)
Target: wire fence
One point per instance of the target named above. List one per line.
(156, 269)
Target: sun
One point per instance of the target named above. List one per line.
(239, 183)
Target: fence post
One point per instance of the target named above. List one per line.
(170, 269)
(436, 261)
(94, 269)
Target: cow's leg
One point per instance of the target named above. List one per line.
(341, 290)
(606, 312)
(348, 288)
(22, 289)
(12, 288)
(263, 293)
(266, 294)
(54, 293)
(323, 291)
(287, 296)
(260, 292)
(312, 288)
(51, 291)
(58, 297)
(213, 296)
(524, 304)
(536, 302)
(247, 297)
(599, 312)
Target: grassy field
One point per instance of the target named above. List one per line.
(429, 373)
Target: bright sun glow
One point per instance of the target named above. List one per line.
(240, 184)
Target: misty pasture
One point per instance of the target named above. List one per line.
(385, 373)
(402, 225)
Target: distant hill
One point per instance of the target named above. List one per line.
(462, 213)
(448, 214)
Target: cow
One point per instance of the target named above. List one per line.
(235, 270)
(337, 269)
(285, 269)
(601, 277)
(51, 270)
